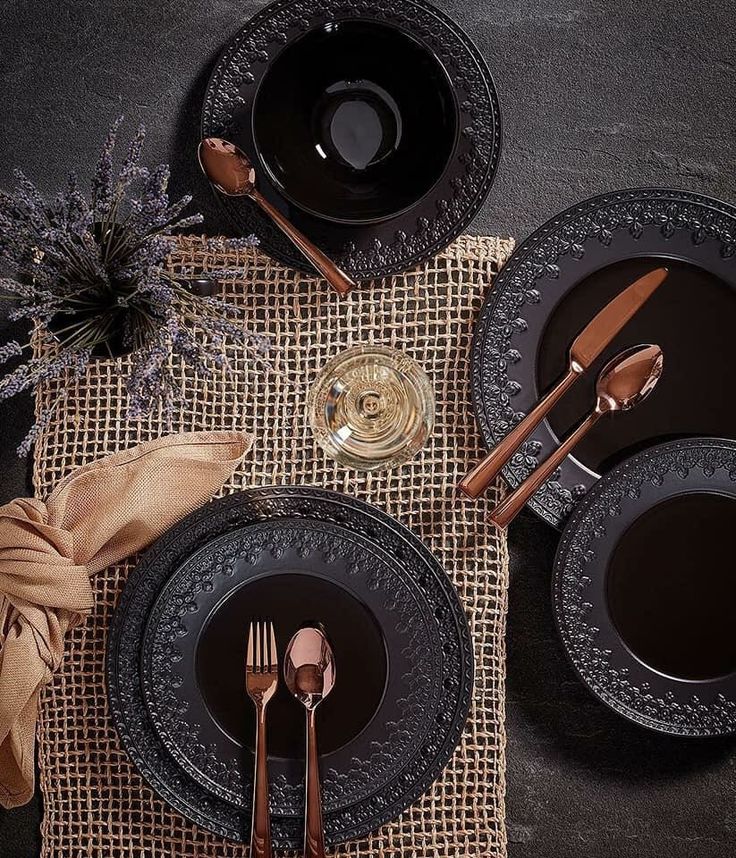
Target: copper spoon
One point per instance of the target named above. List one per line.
(309, 673)
(623, 383)
(231, 172)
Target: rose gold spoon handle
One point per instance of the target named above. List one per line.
(314, 839)
(339, 281)
(486, 471)
(309, 673)
(512, 504)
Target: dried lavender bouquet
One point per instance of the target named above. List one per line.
(89, 275)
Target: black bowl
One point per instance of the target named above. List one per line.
(415, 192)
(355, 121)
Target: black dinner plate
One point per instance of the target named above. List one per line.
(554, 284)
(375, 127)
(644, 592)
(177, 651)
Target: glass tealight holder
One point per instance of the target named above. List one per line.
(371, 408)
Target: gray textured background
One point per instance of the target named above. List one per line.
(595, 96)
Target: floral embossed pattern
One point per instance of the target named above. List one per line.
(438, 218)
(542, 271)
(598, 653)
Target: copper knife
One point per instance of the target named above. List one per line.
(586, 347)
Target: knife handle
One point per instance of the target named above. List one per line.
(486, 471)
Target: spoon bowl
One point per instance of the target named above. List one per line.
(227, 167)
(628, 378)
(309, 667)
(230, 171)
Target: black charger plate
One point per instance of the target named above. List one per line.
(374, 125)
(288, 551)
(644, 588)
(554, 284)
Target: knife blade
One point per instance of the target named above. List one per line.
(604, 326)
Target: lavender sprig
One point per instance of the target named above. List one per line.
(9, 350)
(92, 274)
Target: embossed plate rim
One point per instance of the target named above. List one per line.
(239, 793)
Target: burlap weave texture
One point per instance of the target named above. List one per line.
(95, 802)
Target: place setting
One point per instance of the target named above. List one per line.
(336, 102)
(262, 587)
(557, 281)
(399, 646)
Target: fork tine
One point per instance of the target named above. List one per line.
(274, 660)
(249, 654)
(259, 648)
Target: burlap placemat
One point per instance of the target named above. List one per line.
(95, 803)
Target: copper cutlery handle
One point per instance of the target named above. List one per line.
(486, 471)
(260, 842)
(512, 504)
(339, 281)
(314, 842)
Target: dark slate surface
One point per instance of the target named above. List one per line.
(596, 95)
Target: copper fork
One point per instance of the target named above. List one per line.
(261, 679)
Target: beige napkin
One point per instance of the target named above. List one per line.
(100, 514)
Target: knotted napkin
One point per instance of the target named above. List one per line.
(100, 514)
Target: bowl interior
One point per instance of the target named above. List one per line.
(355, 121)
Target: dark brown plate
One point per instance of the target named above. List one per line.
(375, 128)
(644, 590)
(177, 650)
(388, 662)
(556, 282)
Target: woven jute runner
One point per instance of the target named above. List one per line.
(95, 802)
